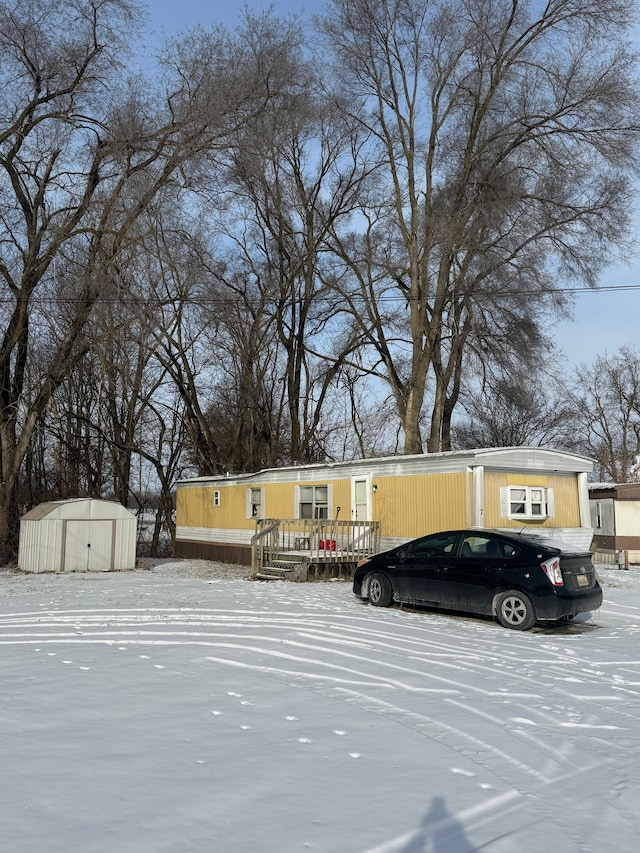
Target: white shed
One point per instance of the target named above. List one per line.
(78, 535)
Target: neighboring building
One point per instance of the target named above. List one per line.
(508, 488)
(615, 516)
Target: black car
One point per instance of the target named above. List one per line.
(518, 578)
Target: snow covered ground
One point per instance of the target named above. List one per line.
(169, 711)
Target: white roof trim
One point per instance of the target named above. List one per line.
(521, 458)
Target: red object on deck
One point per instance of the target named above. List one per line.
(327, 544)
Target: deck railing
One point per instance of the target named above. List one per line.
(313, 540)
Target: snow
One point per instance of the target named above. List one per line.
(172, 710)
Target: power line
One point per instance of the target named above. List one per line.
(385, 297)
(608, 289)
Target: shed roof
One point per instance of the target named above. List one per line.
(78, 508)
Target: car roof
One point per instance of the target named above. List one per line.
(530, 538)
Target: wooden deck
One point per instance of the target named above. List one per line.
(306, 549)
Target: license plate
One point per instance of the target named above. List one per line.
(583, 580)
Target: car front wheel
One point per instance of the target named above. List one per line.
(380, 590)
(515, 610)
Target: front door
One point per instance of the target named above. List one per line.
(361, 498)
(360, 511)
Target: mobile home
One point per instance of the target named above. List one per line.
(404, 497)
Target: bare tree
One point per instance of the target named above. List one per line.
(83, 154)
(54, 154)
(607, 407)
(367, 417)
(516, 408)
(167, 456)
(505, 134)
(291, 183)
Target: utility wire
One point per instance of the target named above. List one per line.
(385, 297)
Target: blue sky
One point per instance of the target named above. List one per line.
(603, 321)
(169, 15)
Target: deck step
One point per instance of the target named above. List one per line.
(280, 570)
(262, 576)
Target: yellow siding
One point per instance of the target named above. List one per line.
(342, 498)
(279, 500)
(416, 505)
(406, 506)
(565, 492)
(194, 505)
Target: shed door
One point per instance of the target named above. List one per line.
(88, 546)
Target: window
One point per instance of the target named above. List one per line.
(313, 502)
(254, 503)
(216, 497)
(438, 545)
(480, 546)
(517, 501)
(487, 547)
(537, 502)
(526, 502)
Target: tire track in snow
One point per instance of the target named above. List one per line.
(335, 656)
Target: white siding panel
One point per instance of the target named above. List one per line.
(125, 544)
(580, 537)
(40, 548)
(214, 534)
(627, 518)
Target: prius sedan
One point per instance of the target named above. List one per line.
(518, 578)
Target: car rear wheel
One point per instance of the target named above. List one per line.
(380, 590)
(515, 610)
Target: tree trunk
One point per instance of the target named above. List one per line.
(9, 520)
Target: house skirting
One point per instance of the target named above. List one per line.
(222, 552)
(622, 543)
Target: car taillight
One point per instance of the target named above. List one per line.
(551, 568)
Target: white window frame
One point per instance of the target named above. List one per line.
(216, 497)
(315, 504)
(537, 502)
(255, 509)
